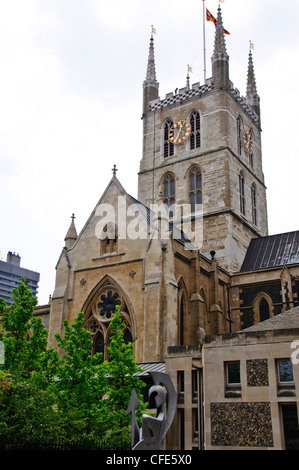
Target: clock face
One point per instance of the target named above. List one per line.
(179, 132)
(248, 142)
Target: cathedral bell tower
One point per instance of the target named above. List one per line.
(202, 145)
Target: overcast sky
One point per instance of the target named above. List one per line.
(71, 74)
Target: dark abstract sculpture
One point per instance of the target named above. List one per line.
(154, 429)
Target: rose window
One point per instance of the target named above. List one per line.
(107, 304)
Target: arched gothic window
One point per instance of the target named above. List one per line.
(195, 138)
(168, 146)
(262, 307)
(264, 310)
(195, 188)
(99, 314)
(169, 193)
(253, 203)
(242, 192)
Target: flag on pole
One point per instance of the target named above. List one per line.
(210, 17)
(154, 31)
(189, 68)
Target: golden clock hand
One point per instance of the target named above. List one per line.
(178, 133)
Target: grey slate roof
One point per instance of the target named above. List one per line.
(271, 251)
(284, 321)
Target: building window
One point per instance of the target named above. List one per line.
(195, 188)
(169, 194)
(109, 239)
(195, 139)
(233, 375)
(99, 314)
(264, 310)
(181, 382)
(285, 372)
(168, 146)
(242, 192)
(253, 203)
(239, 135)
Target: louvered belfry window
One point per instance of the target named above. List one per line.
(195, 138)
(168, 146)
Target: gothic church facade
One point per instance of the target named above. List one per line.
(201, 148)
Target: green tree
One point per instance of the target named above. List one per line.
(121, 373)
(79, 381)
(70, 394)
(23, 335)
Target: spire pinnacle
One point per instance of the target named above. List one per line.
(220, 58)
(71, 235)
(219, 44)
(150, 84)
(151, 78)
(251, 90)
(252, 98)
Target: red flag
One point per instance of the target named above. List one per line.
(210, 17)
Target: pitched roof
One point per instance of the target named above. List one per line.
(284, 321)
(271, 251)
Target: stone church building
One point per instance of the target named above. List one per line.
(181, 277)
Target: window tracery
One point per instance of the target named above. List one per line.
(99, 314)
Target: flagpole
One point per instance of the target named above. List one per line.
(204, 38)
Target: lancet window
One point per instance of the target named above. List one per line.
(168, 146)
(195, 188)
(242, 192)
(169, 193)
(195, 137)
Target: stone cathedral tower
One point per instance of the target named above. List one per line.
(201, 146)
(219, 165)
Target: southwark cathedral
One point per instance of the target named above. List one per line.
(194, 287)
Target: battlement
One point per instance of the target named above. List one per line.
(184, 94)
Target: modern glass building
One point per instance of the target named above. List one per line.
(11, 274)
